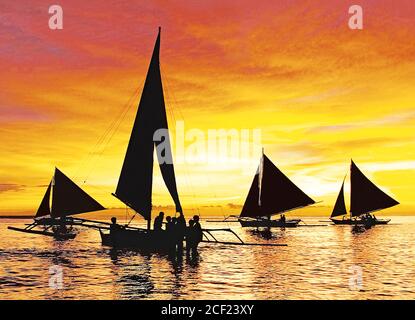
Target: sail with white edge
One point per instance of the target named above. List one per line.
(277, 193)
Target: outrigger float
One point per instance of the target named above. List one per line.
(150, 240)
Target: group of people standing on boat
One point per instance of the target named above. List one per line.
(368, 219)
(178, 231)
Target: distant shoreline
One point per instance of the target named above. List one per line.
(16, 217)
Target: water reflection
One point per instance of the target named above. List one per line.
(267, 233)
(316, 264)
(136, 272)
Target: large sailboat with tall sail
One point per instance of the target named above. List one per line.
(134, 186)
(365, 198)
(135, 183)
(271, 193)
(62, 199)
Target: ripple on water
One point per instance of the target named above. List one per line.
(317, 264)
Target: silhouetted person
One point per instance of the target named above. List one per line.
(181, 230)
(174, 234)
(114, 227)
(158, 222)
(169, 224)
(198, 233)
(62, 225)
(170, 232)
(367, 220)
(190, 236)
(282, 219)
(174, 224)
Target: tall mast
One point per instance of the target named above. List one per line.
(135, 183)
(260, 176)
(350, 207)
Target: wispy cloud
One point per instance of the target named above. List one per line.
(391, 119)
(5, 187)
(320, 92)
(25, 114)
(389, 166)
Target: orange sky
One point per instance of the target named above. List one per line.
(319, 92)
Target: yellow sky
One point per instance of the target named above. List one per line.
(319, 92)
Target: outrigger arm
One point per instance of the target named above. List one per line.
(240, 243)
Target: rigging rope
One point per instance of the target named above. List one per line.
(100, 146)
(110, 133)
(171, 100)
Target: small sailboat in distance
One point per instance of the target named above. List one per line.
(271, 193)
(63, 198)
(365, 198)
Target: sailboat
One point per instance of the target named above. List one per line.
(365, 198)
(271, 193)
(62, 199)
(134, 186)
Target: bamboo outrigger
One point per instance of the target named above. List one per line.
(139, 238)
(48, 223)
(241, 243)
(302, 223)
(44, 232)
(207, 233)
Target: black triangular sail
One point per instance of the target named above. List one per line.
(44, 208)
(340, 206)
(69, 199)
(135, 183)
(365, 196)
(278, 193)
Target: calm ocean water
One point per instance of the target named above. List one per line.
(319, 263)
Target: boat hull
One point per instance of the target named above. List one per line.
(264, 223)
(354, 222)
(140, 239)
